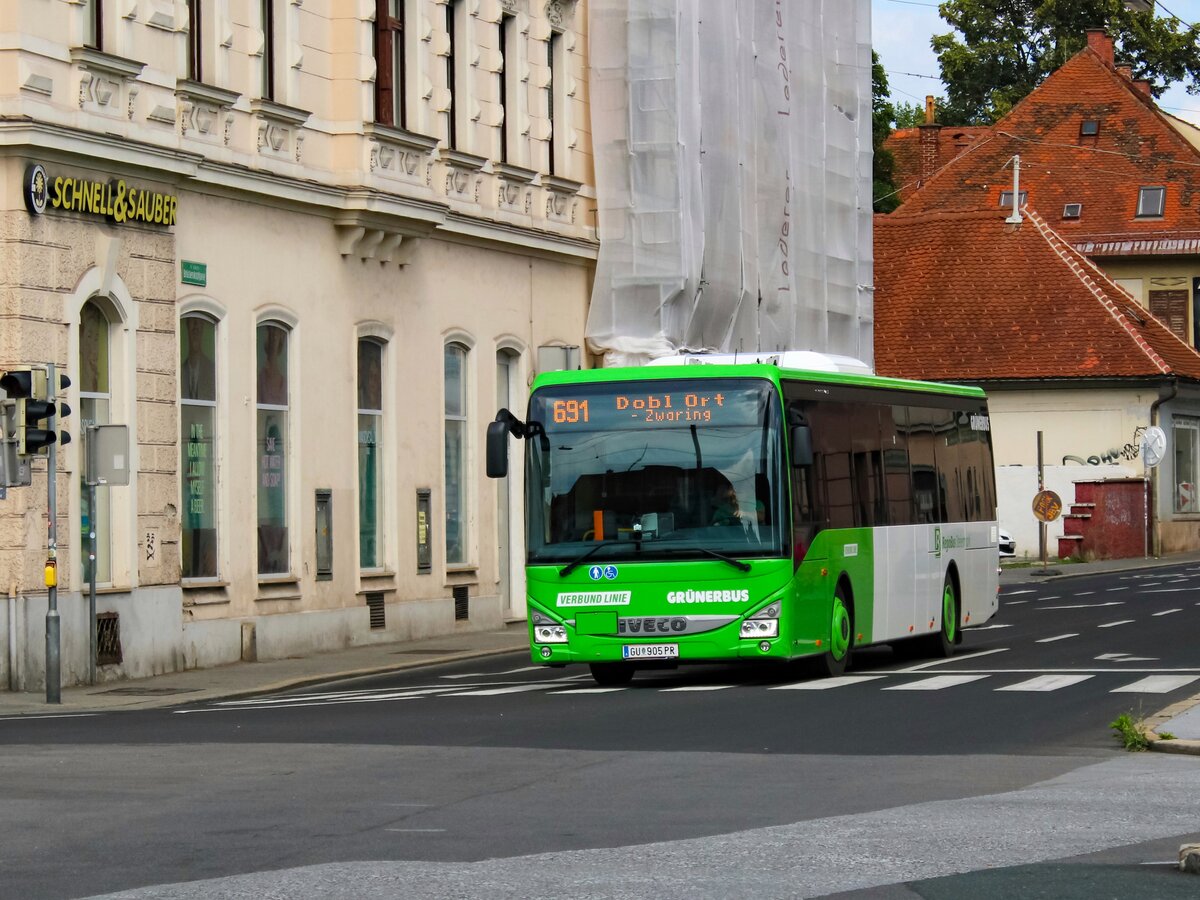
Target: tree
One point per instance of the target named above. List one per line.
(1000, 50)
(883, 188)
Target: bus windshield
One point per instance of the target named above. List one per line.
(656, 470)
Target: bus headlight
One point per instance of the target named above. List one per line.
(549, 634)
(760, 628)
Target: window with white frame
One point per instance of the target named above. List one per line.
(272, 447)
(95, 402)
(555, 64)
(197, 444)
(1151, 201)
(267, 11)
(370, 464)
(454, 33)
(390, 56)
(1186, 439)
(455, 381)
(93, 18)
(195, 69)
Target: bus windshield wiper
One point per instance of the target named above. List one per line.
(579, 560)
(736, 563)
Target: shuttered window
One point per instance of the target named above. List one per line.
(1171, 308)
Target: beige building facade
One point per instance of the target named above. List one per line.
(304, 251)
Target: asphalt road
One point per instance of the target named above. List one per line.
(992, 774)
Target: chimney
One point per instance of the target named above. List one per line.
(930, 141)
(1143, 87)
(1126, 71)
(1099, 41)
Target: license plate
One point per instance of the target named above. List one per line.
(650, 651)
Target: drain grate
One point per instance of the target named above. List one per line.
(377, 610)
(461, 609)
(108, 639)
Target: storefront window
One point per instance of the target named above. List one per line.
(1187, 448)
(272, 448)
(456, 453)
(197, 442)
(95, 401)
(370, 415)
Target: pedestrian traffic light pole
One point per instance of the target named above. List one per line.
(53, 622)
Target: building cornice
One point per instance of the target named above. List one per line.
(356, 205)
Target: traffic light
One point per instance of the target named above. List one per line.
(62, 409)
(29, 389)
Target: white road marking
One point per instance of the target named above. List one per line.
(1167, 612)
(1083, 593)
(1116, 623)
(941, 662)
(1156, 684)
(1014, 593)
(1125, 657)
(1051, 597)
(1123, 587)
(824, 684)
(1057, 637)
(1013, 602)
(935, 683)
(592, 690)
(513, 689)
(1087, 605)
(986, 627)
(698, 687)
(1168, 591)
(1046, 683)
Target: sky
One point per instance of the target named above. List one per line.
(901, 30)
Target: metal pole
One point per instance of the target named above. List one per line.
(1041, 487)
(53, 622)
(91, 486)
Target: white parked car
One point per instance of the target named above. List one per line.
(1008, 547)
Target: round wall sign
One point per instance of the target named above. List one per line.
(36, 188)
(1047, 505)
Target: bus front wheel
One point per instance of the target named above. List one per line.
(841, 634)
(612, 674)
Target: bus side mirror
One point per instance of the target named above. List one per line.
(497, 449)
(802, 451)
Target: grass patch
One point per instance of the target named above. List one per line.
(1131, 732)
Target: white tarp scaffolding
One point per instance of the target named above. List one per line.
(732, 144)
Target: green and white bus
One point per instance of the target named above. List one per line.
(712, 509)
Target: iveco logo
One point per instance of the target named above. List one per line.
(652, 625)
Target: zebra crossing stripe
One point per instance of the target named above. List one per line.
(935, 683)
(514, 689)
(1046, 683)
(698, 687)
(824, 684)
(1156, 684)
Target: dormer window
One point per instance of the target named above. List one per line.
(1072, 210)
(1152, 201)
(1006, 198)
(1089, 128)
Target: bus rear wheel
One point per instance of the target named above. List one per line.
(611, 674)
(941, 645)
(841, 635)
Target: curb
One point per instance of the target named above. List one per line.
(1179, 747)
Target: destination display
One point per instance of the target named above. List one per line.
(650, 404)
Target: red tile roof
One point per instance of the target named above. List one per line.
(964, 296)
(905, 146)
(1136, 146)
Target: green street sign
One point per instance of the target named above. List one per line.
(193, 272)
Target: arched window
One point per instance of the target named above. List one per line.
(370, 465)
(455, 380)
(272, 447)
(95, 401)
(197, 443)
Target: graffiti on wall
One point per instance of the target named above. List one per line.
(1129, 452)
